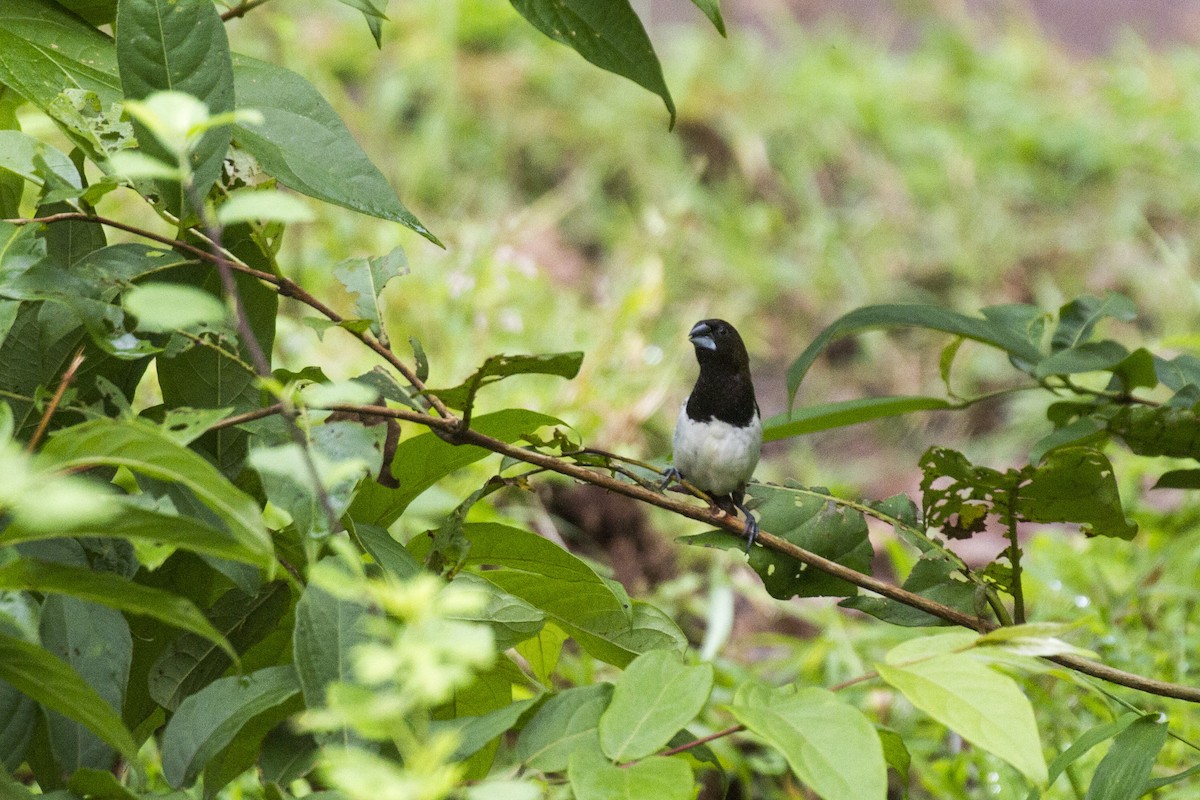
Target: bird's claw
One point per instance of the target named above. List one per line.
(751, 526)
(671, 474)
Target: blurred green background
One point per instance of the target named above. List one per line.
(814, 168)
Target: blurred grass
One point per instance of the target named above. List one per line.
(805, 178)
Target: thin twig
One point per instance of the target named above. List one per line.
(68, 376)
(249, 416)
(241, 9)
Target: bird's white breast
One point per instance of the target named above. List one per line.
(714, 455)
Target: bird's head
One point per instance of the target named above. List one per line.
(718, 343)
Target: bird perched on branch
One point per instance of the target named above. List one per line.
(718, 435)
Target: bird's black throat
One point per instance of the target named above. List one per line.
(723, 394)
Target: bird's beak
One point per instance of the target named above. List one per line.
(701, 336)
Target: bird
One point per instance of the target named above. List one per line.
(718, 434)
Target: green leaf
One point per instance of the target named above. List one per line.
(262, 205)
(595, 612)
(607, 33)
(164, 307)
(808, 519)
(389, 554)
(542, 652)
(846, 412)
(1078, 318)
(497, 368)
(1076, 484)
(1161, 431)
(112, 590)
(1086, 357)
(1179, 479)
(305, 145)
(45, 50)
(365, 279)
(425, 459)
(142, 448)
(19, 715)
(191, 662)
(180, 47)
(1081, 746)
(327, 631)
(136, 523)
(712, 10)
(988, 331)
(656, 695)
(372, 11)
(99, 784)
(593, 778)
(208, 720)
(566, 722)
(981, 705)
(96, 642)
(1125, 768)
(53, 684)
(933, 576)
(33, 160)
(1079, 432)
(476, 732)
(829, 744)
(511, 619)
(343, 454)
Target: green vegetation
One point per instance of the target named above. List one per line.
(245, 553)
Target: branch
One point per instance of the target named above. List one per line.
(282, 285)
(240, 10)
(68, 376)
(719, 519)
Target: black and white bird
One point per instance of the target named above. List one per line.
(718, 435)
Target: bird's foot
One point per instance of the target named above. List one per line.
(671, 474)
(751, 526)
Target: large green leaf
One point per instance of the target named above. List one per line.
(425, 459)
(45, 50)
(53, 684)
(18, 716)
(140, 524)
(567, 722)
(809, 519)
(96, 642)
(208, 720)
(829, 744)
(1081, 746)
(328, 629)
(181, 47)
(111, 590)
(607, 33)
(656, 696)
(991, 331)
(981, 705)
(846, 412)
(191, 662)
(595, 612)
(303, 143)
(1125, 768)
(143, 448)
(1076, 484)
(593, 778)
